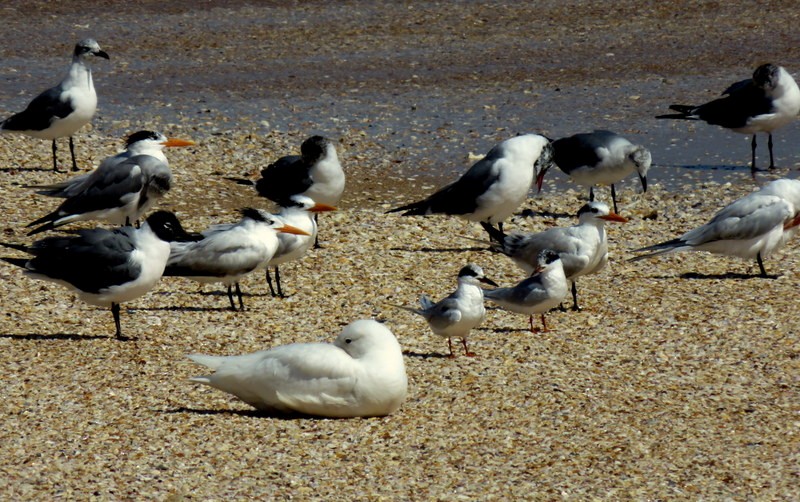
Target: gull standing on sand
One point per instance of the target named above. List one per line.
(105, 267)
(542, 291)
(494, 187)
(300, 212)
(764, 103)
(751, 227)
(316, 173)
(120, 191)
(583, 248)
(599, 158)
(62, 110)
(226, 253)
(360, 374)
(461, 311)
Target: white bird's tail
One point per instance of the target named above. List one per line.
(212, 362)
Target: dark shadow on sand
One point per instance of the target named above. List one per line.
(55, 336)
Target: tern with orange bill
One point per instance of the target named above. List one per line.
(583, 248)
(752, 227)
(120, 191)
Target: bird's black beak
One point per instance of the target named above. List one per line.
(643, 179)
(488, 281)
(101, 54)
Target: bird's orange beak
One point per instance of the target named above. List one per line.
(288, 229)
(792, 222)
(614, 217)
(177, 142)
(318, 208)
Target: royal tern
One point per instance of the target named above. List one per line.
(120, 191)
(583, 248)
(462, 310)
(62, 110)
(751, 227)
(764, 103)
(298, 212)
(226, 253)
(316, 173)
(542, 291)
(105, 267)
(599, 158)
(360, 374)
(494, 187)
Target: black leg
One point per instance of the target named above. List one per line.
(614, 197)
(317, 245)
(230, 297)
(278, 282)
(115, 313)
(500, 227)
(771, 158)
(269, 283)
(72, 152)
(753, 148)
(591, 194)
(55, 157)
(575, 306)
(761, 265)
(239, 294)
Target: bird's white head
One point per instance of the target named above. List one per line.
(87, 48)
(473, 274)
(598, 212)
(367, 338)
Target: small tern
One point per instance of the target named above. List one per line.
(360, 374)
(62, 110)
(461, 311)
(764, 103)
(494, 187)
(543, 290)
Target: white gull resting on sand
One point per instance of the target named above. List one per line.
(360, 374)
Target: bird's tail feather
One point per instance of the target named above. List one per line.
(212, 362)
(19, 262)
(685, 112)
(413, 209)
(241, 181)
(403, 307)
(658, 249)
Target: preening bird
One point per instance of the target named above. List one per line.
(62, 110)
(457, 314)
(764, 103)
(599, 158)
(494, 187)
(360, 374)
(105, 267)
(751, 227)
(120, 191)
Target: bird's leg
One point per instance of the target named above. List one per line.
(55, 158)
(239, 294)
(450, 346)
(115, 313)
(761, 265)
(753, 168)
(591, 194)
(230, 297)
(466, 350)
(614, 197)
(544, 323)
(771, 158)
(500, 227)
(575, 306)
(72, 152)
(269, 282)
(317, 245)
(278, 282)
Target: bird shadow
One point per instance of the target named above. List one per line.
(530, 213)
(727, 275)
(707, 167)
(425, 355)
(439, 250)
(52, 336)
(12, 170)
(181, 308)
(245, 413)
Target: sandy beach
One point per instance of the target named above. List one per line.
(678, 379)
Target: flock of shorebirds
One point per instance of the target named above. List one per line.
(362, 372)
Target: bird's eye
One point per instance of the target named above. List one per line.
(348, 340)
